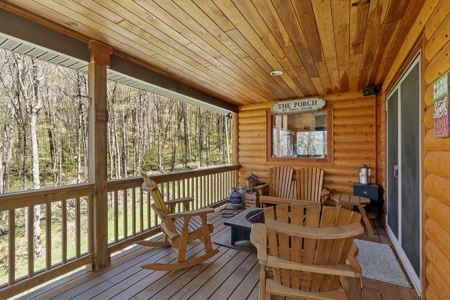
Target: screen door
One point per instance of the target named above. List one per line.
(403, 170)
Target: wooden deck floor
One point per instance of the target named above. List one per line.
(231, 274)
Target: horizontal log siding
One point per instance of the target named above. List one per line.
(354, 140)
(434, 23)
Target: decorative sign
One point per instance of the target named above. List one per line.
(101, 116)
(441, 106)
(298, 106)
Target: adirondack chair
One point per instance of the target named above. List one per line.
(281, 187)
(309, 185)
(179, 228)
(307, 251)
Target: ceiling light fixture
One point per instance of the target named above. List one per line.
(276, 73)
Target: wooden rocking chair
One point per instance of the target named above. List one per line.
(307, 251)
(179, 229)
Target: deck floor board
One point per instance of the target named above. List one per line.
(231, 274)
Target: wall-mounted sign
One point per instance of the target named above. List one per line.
(101, 116)
(441, 106)
(298, 106)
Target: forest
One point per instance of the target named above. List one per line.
(43, 141)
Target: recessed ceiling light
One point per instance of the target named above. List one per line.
(276, 73)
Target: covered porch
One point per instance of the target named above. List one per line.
(220, 55)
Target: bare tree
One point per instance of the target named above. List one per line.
(33, 102)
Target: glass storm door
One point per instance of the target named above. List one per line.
(403, 171)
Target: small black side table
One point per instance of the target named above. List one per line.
(373, 192)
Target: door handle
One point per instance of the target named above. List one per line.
(396, 171)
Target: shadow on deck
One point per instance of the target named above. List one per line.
(231, 274)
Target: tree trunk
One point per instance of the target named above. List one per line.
(186, 140)
(33, 102)
(124, 144)
(227, 140)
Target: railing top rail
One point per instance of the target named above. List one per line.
(160, 178)
(41, 196)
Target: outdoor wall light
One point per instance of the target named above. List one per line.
(276, 73)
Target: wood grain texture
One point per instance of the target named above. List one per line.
(228, 48)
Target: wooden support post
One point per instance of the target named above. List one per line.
(235, 138)
(98, 118)
(235, 145)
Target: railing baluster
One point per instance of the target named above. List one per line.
(149, 211)
(12, 247)
(200, 191)
(30, 241)
(77, 227)
(191, 193)
(205, 191)
(219, 187)
(208, 189)
(173, 191)
(194, 187)
(133, 211)
(216, 187)
(48, 233)
(125, 213)
(90, 205)
(64, 228)
(116, 217)
(141, 212)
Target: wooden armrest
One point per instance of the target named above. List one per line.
(191, 213)
(179, 200)
(324, 192)
(159, 212)
(258, 237)
(278, 200)
(339, 270)
(262, 189)
(327, 233)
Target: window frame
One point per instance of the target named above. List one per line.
(330, 149)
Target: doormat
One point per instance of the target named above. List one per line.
(379, 262)
(225, 240)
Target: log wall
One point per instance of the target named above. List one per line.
(354, 141)
(432, 29)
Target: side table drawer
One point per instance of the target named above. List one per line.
(364, 190)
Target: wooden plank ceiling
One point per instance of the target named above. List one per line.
(228, 48)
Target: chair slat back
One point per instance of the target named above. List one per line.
(309, 183)
(158, 200)
(307, 250)
(281, 183)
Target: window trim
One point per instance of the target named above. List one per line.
(330, 147)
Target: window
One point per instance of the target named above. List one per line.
(307, 136)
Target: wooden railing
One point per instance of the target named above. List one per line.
(136, 220)
(66, 219)
(68, 208)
